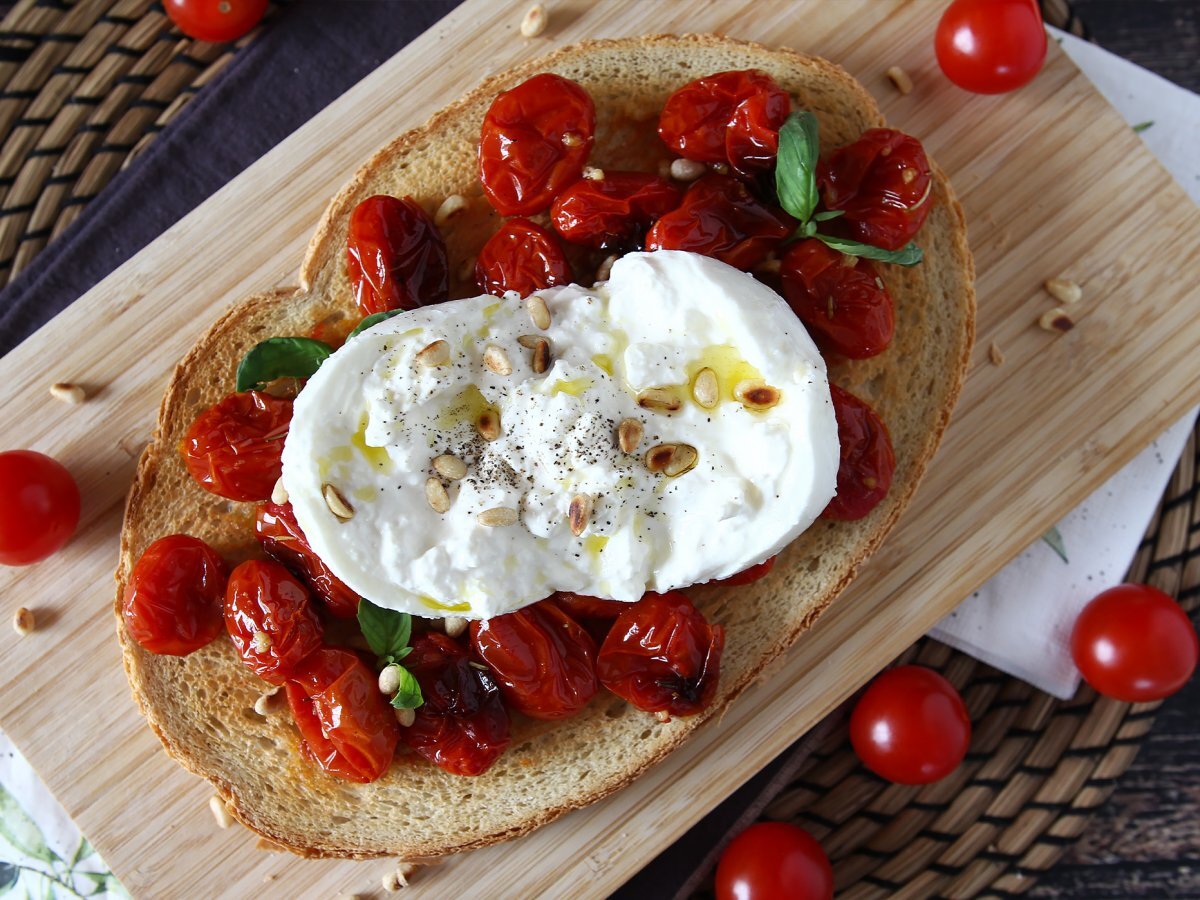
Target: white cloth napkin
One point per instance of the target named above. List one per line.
(1020, 621)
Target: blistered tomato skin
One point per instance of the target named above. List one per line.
(270, 619)
(841, 300)
(662, 655)
(462, 725)
(233, 449)
(867, 462)
(543, 660)
(581, 606)
(173, 600)
(535, 141)
(882, 184)
(523, 257)
(720, 218)
(395, 256)
(752, 140)
(347, 726)
(39, 506)
(613, 213)
(281, 538)
(704, 117)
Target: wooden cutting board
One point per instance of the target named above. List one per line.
(1053, 184)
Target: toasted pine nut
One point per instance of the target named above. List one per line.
(995, 355)
(451, 207)
(261, 642)
(672, 459)
(406, 717)
(488, 425)
(529, 341)
(538, 311)
(220, 811)
(68, 392)
(497, 360)
(534, 22)
(449, 467)
(436, 496)
(279, 494)
(629, 435)
(433, 355)
(579, 513)
(336, 502)
(706, 390)
(1064, 290)
(498, 517)
(389, 680)
(1056, 320)
(900, 79)
(686, 169)
(541, 356)
(592, 173)
(756, 394)
(454, 625)
(604, 270)
(23, 621)
(659, 399)
(663, 716)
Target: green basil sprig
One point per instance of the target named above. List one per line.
(388, 633)
(373, 319)
(281, 357)
(796, 185)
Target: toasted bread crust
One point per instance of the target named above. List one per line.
(200, 705)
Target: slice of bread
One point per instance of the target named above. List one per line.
(202, 705)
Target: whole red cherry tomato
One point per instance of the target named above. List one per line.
(882, 183)
(395, 256)
(521, 257)
(279, 533)
(991, 46)
(1135, 643)
(910, 726)
(750, 575)
(462, 726)
(663, 656)
(216, 21)
(270, 619)
(233, 449)
(543, 660)
(346, 723)
(774, 861)
(614, 212)
(720, 218)
(729, 109)
(535, 140)
(39, 506)
(866, 459)
(841, 299)
(172, 603)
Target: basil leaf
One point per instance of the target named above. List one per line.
(796, 165)
(828, 214)
(281, 357)
(387, 631)
(905, 256)
(408, 695)
(1054, 540)
(373, 319)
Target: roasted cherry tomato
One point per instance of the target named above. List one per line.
(910, 726)
(39, 506)
(706, 118)
(172, 602)
(462, 726)
(279, 534)
(346, 723)
(866, 460)
(774, 861)
(882, 184)
(543, 660)
(613, 212)
(750, 575)
(536, 138)
(216, 21)
(720, 218)
(395, 256)
(521, 257)
(662, 656)
(581, 606)
(233, 449)
(1135, 643)
(270, 619)
(841, 299)
(991, 46)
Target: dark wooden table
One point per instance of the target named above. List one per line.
(1145, 842)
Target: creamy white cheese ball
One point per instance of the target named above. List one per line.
(372, 420)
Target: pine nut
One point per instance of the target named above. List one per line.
(268, 702)
(604, 270)
(659, 399)
(1064, 290)
(900, 79)
(498, 517)
(68, 393)
(261, 642)
(451, 207)
(995, 355)
(406, 717)
(433, 355)
(672, 460)
(24, 621)
(497, 360)
(592, 173)
(389, 680)
(488, 425)
(220, 811)
(336, 502)
(572, 140)
(436, 496)
(706, 390)
(686, 169)
(534, 22)
(757, 395)
(454, 626)
(629, 435)
(538, 311)
(449, 467)
(279, 494)
(579, 513)
(1056, 320)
